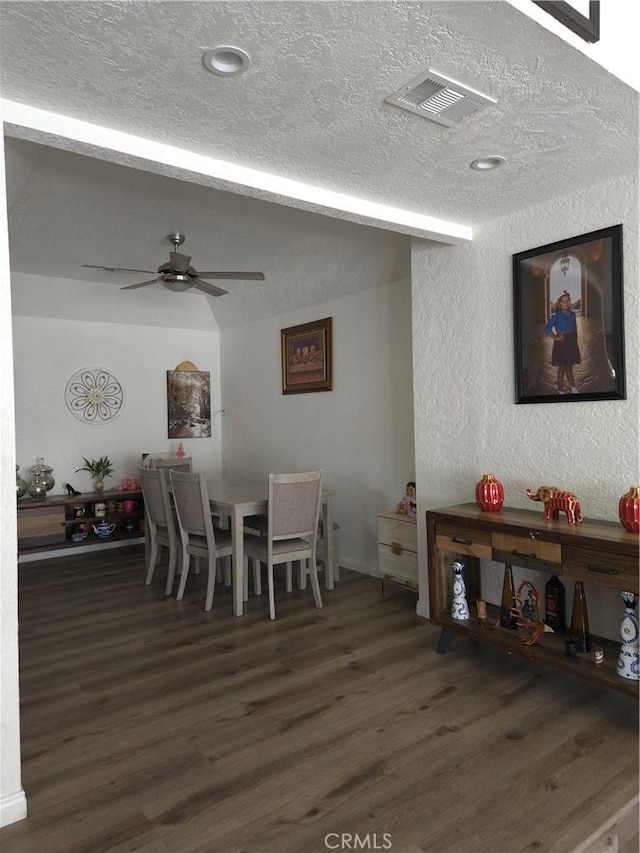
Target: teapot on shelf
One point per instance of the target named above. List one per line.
(103, 529)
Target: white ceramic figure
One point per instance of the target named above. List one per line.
(629, 658)
(459, 607)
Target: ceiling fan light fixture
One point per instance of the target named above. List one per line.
(226, 60)
(177, 284)
(485, 164)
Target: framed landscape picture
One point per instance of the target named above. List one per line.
(189, 404)
(307, 357)
(568, 320)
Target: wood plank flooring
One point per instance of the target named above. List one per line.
(149, 725)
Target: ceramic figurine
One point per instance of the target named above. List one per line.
(629, 510)
(180, 451)
(459, 607)
(556, 501)
(629, 658)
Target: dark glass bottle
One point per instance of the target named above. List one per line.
(580, 620)
(554, 604)
(507, 619)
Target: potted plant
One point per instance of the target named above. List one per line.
(99, 469)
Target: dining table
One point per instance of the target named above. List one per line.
(239, 499)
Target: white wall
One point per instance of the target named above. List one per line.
(466, 421)
(49, 351)
(361, 433)
(13, 804)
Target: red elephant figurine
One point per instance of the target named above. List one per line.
(556, 501)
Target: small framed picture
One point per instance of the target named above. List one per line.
(568, 320)
(307, 357)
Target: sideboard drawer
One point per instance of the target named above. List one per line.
(600, 567)
(473, 543)
(398, 564)
(43, 521)
(526, 552)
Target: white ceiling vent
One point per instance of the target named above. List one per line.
(439, 98)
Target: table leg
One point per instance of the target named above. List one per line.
(329, 541)
(237, 538)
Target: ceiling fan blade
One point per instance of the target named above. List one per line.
(210, 289)
(141, 284)
(178, 262)
(248, 276)
(115, 269)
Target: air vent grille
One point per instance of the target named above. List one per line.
(439, 98)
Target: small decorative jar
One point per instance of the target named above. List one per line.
(489, 493)
(629, 510)
(21, 486)
(37, 488)
(46, 473)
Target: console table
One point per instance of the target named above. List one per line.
(600, 553)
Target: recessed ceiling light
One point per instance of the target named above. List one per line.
(483, 164)
(226, 60)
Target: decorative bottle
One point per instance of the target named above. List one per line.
(489, 493)
(507, 617)
(554, 604)
(580, 620)
(629, 658)
(629, 510)
(459, 607)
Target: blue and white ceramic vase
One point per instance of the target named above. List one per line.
(459, 607)
(629, 658)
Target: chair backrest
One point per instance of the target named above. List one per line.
(156, 497)
(192, 503)
(294, 505)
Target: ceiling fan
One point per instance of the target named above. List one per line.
(178, 275)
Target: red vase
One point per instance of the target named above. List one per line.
(489, 493)
(629, 510)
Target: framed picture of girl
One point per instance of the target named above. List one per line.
(569, 326)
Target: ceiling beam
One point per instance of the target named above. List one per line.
(81, 137)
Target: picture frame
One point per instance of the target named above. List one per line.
(307, 357)
(585, 26)
(582, 354)
(189, 403)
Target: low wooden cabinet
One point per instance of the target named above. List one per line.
(398, 549)
(50, 524)
(600, 553)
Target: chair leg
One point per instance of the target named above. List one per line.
(257, 577)
(185, 572)
(315, 586)
(211, 582)
(153, 559)
(245, 580)
(272, 598)
(304, 571)
(289, 577)
(171, 572)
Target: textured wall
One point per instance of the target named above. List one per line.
(361, 433)
(466, 422)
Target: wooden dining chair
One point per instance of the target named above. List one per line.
(292, 529)
(196, 529)
(160, 523)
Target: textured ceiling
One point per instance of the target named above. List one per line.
(310, 108)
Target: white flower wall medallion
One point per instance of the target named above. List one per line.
(94, 396)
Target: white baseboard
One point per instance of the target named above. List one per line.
(13, 808)
(81, 549)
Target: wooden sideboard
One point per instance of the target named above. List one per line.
(600, 553)
(49, 524)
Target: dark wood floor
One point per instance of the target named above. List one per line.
(149, 725)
